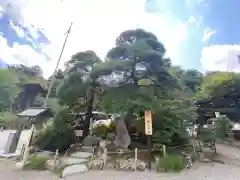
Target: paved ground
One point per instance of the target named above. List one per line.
(209, 171)
(206, 172)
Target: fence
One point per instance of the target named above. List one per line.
(129, 159)
(133, 159)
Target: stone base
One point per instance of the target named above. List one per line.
(19, 165)
(9, 155)
(74, 169)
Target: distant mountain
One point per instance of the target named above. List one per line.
(15, 32)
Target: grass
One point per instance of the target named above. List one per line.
(170, 163)
(36, 163)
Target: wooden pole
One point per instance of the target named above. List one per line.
(149, 151)
(164, 150)
(135, 159)
(55, 159)
(58, 62)
(104, 157)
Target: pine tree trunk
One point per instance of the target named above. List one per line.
(89, 109)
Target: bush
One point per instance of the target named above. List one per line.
(208, 135)
(57, 135)
(223, 126)
(170, 163)
(100, 131)
(112, 127)
(36, 163)
(8, 120)
(7, 116)
(52, 138)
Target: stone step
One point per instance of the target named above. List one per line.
(80, 154)
(73, 160)
(74, 169)
(88, 149)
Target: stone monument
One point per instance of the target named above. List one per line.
(123, 139)
(11, 146)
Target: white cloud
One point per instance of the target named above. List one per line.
(207, 34)
(221, 58)
(169, 31)
(96, 25)
(23, 54)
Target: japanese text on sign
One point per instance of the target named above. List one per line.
(148, 122)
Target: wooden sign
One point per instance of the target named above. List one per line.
(144, 82)
(79, 133)
(148, 122)
(217, 114)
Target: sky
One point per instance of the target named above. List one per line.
(199, 34)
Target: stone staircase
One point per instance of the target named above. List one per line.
(76, 162)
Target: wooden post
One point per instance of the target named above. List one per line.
(55, 159)
(148, 132)
(164, 150)
(135, 159)
(105, 157)
(194, 145)
(26, 153)
(22, 152)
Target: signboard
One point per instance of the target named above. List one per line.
(79, 133)
(217, 114)
(148, 122)
(144, 82)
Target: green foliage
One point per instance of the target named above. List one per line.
(58, 135)
(52, 138)
(8, 88)
(218, 84)
(78, 89)
(36, 163)
(112, 127)
(53, 104)
(8, 119)
(100, 131)
(190, 79)
(223, 127)
(219, 130)
(170, 163)
(71, 90)
(7, 116)
(208, 135)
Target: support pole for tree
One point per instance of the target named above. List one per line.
(149, 137)
(58, 62)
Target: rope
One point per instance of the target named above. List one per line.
(145, 150)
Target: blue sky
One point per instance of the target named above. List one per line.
(199, 34)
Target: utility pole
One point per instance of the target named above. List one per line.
(56, 68)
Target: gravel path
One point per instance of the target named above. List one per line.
(207, 171)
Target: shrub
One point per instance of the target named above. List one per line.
(223, 126)
(112, 127)
(57, 135)
(8, 120)
(208, 135)
(52, 138)
(7, 116)
(100, 131)
(36, 163)
(170, 163)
